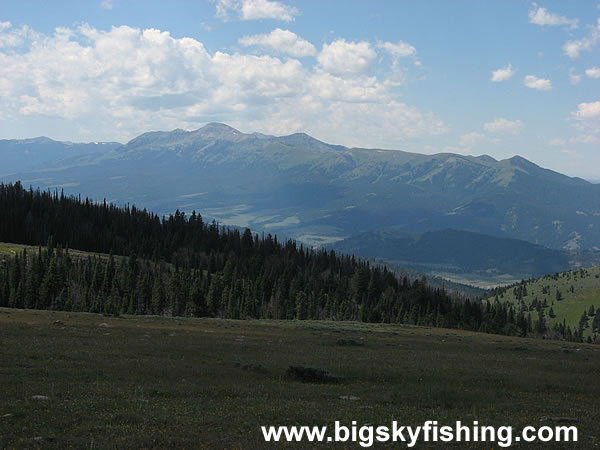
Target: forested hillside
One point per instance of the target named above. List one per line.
(181, 266)
(457, 251)
(571, 297)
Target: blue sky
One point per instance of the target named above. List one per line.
(494, 77)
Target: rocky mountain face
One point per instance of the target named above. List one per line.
(297, 186)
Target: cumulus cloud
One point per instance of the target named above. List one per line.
(580, 139)
(123, 81)
(352, 90)
(539, 84)
(11, 37)
(281, 41)
(503, 74)
(346, 58)
(248, 78)
(587, 119)
(574, 78)
(106, 4)
(398, 49)
(541, 16)
(594, 72)
(472, 139)
(574, 48)
(256, 9)
(587, 110)
(584, 139)
(361, 124)
(504, 126)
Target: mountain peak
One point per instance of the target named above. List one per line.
(517, 159)
(487, 158)
(218, 130)
(307, 142)
(215, 131)
(39, 140)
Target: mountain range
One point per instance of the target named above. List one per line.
(299, 187)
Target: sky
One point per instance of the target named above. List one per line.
(471, 77)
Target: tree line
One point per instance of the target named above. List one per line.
(181, 266)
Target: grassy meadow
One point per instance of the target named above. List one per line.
(153, 382)
(11, 249)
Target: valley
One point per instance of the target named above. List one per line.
(349, 199)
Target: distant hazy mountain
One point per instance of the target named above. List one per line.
(453, 251)
(30, 154)
(300, 187)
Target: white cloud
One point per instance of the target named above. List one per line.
(587, 119)
(398, 49)
(377, 124)
(281, 41)
(587, 122)
(106, 4)
(246, 78)
(504, 126)
(11, 37)
(266, 9)
(352, 90)
(580, 139)
(346, 58)
(539, 84)
(224, 7)
(594, 72)
(503, 74)
(541, 16)
(587, 110)
(584, 139)
(256, 9)
(574, 78)
(123, 81)
(472, 139)
(574, 48)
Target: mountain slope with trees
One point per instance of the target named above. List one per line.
(458, 252)
(181, 266)
(569, 298)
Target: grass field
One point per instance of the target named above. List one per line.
(11, 249)
(579, 290)
(151, 382)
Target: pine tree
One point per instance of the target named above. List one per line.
(157, 296)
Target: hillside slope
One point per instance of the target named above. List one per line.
(560, 297)
(458, 252)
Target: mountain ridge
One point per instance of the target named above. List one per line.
(320, 193)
